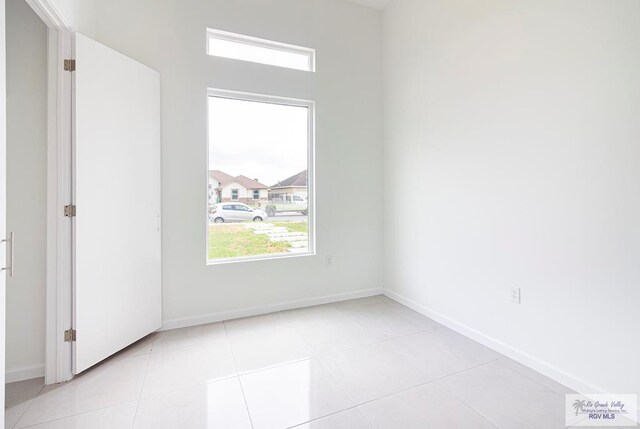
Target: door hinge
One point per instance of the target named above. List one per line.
(70, 210)
(70, 65)
(69, 335)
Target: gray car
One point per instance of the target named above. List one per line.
(235, 212)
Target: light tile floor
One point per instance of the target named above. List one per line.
(366, 363)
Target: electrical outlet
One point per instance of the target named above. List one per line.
(515, 295)
(329, 260)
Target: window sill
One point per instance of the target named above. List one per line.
(259, 258)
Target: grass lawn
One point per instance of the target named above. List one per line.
(234, 240)
(294, 226)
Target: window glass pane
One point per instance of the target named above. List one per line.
(261, 149)
(246, 48)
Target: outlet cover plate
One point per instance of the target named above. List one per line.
(515, 295)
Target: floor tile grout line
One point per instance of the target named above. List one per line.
(328, 415)
(318, 356)
(77, 414)
(185, 346)
(281, 312)
(235, 364)
(144, 379)
(275, 366)
(421, 331)
(502, 356)
(470, 408)
(188, 387)
(342, 387)
(292, 362)
(316, 353)
(295, 328)
(195, 384)
(376, 342)
(148, 355)
(28, 406)
(173, 349)
(390, 394)
(84, 412)
(366, 417)
(469, 405)
(435, 380)
(324, 417)
(531, 378)
(337, 381)
(319, 359)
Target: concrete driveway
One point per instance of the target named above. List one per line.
(288, 217)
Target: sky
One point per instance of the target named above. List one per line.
(262, 141)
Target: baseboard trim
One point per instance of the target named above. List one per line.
(256, 311)
(519, 356)
(26, 373)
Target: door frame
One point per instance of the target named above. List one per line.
(3, 194)
(59, 181)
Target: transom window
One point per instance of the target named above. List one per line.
(246, 48)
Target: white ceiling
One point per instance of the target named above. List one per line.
(376, 4)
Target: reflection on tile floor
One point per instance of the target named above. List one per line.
(365, 363)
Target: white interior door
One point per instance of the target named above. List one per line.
(117, 197)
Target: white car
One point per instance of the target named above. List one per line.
(235, 212)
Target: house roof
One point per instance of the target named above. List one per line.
(220, 176)
(299, 179)
(249, 183)
(224, 179)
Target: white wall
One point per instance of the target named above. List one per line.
(26, 188)
(520, 123)
(170, 38)
(79, 15)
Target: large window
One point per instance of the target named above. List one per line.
(260, 159)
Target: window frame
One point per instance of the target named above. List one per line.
(258, 42)
(256, 192)
(311, 209)
(235, 194)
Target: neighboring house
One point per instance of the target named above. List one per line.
(225, 188)
(294, 185)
